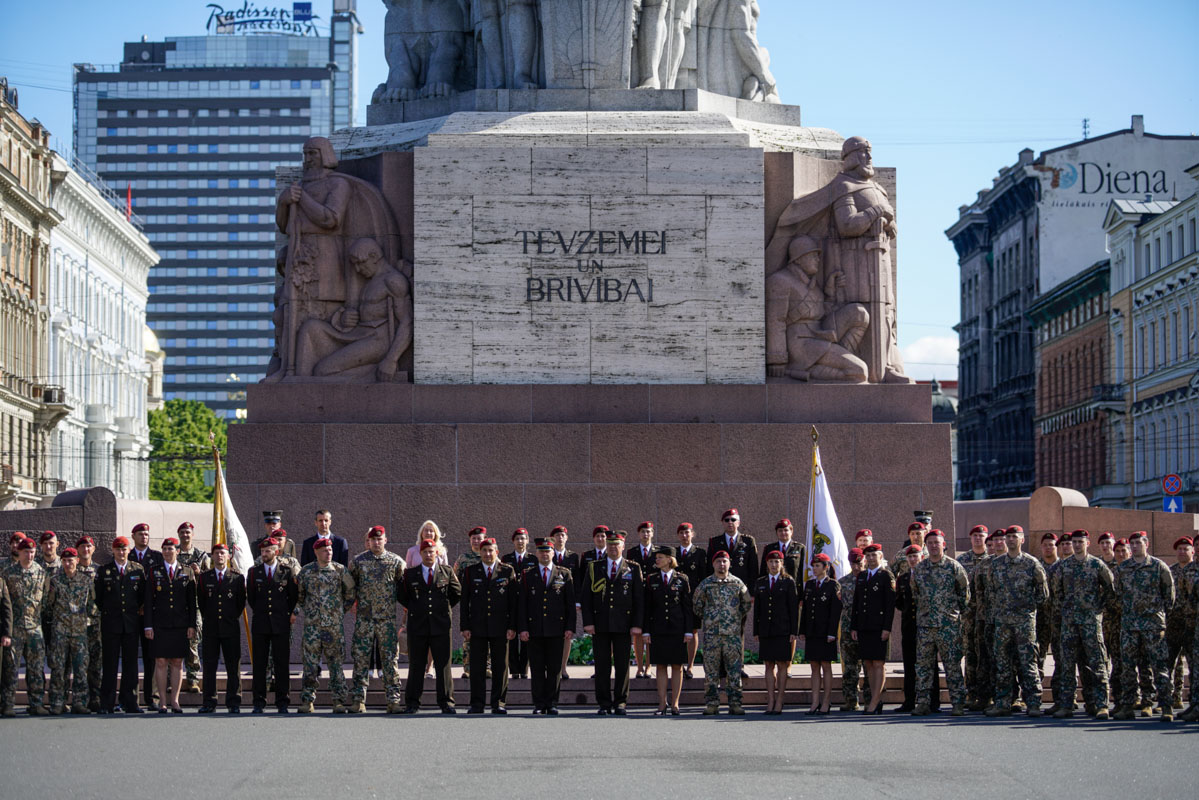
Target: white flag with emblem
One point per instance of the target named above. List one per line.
(226, 527)
(824, 531)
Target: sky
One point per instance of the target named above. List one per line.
(947, 92)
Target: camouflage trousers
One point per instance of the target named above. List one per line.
(95, 664)
(984, 652)
(30, 647)
(851, 671)
(942, 642)
(1146, 650)
(1049, 642)
(723, 655)
(322, 644)
(1016, 659)
(1082, 649)
(970, 652)
(369, 634)
(1178, 646)
(191, 662)
(68, 664)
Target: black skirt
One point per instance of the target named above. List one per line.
(775, 648)
(819, 649)
(169, 643)
(667, 649)
(871, 646)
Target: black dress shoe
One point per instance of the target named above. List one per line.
(619, 711)
(500, 711)
(674, 712)
(152, 706)
(410, 710)
(687, 673)
(258, 710)
(602, 711)
(450, 710)
(176, 710)
(553, 712)
(903, 709)
(104, 712)
(206, 710)
(235, 709)
(135, 710)
(281, 710)
(475, 710)
(162, 711)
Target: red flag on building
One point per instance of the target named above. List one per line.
(128, 201)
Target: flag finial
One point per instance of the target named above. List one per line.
(815, 435)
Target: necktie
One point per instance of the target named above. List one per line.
(489, 573)
(270, 573)
(170, 573)
(121, 569)
(772, 582)
(613, 575)
(219, 577)
(428, 577)
(665, 579)
(545, 575)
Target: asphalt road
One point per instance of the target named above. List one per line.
(578, 755)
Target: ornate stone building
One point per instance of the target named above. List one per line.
(30, 404)
(98, 345)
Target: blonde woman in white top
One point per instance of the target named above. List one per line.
(428, 530)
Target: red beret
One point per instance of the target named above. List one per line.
(489, 540)
(935, 532)
(478, 530)
(873, 548)
(141, 526)
(26, 544)
(183, 525)
(855, 554)
(270, 541)
(720, 554)
(16, 537)
(47, 536)
(863, 532)
(69, 552)
(1064, 538)
(1138, 535)
(644, 525)
(917, 526)
(519, 531)
(1183, 541)
(321, 544)
(1121, 542)
(978, 529)
(685, 526)
(120, 541)
(821, 558)
(220, 546)
(87, 539)
(913, 549)
(425, 544)
(559, 529)
(171, 540)
(783, 523)
(1013, 529)
(732, 512)
(279, 533)
(1048, 537)
(1106, 536)
(1080, 534)
(599, 529)
(774, 553)
(377, 530)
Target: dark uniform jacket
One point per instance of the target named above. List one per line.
(873, 601)
(429, 606)
(668, 605)
(489, 604)
(776, 611)
(271, 601)
(148, 558)
(566, 560)
(520, 564)
(647, 562)
(289, 547)
(905, 602)
(743, 556)
(5, 610)
(613, 606)
(222, 605)
(341, 550)
(820, 616)
(580, 575)
(121, 599)
(546, 610)
(174, 601)
(695, 564)
(794, 559)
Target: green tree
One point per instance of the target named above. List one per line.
(182, 452)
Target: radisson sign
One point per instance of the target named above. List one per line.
(252, 18)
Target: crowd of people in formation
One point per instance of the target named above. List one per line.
(1118, 624)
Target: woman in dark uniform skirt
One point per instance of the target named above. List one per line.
(818, 622)
(173, 593)
(668, 625)
(776, 624)
(871, 619)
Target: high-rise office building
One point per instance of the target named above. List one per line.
(191, 129)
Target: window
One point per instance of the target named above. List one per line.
(1169, 247)
(255, 84)
(193, 148)
(213, 148)
(113, 132)
(192, 219)
(193, 201)
(172, 148)
(295, 84)
(316, 85)
(1157, 253)
(212, 183)
(151, 148)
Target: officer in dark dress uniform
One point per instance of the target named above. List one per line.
(546, 619)
(794, 553)
(776, 625)
(872, 616)
(272, 594)
(669, 625)
(429, 591)
(121, 589)
(613, 609)
(819, 624)
(694, 563)
(222, 597)
(488, 618)
(741, 547)
(564, 558)
(519, 559)
(173, 596)
(141, 553)
(643, 555)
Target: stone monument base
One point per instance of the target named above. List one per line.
(581, 455)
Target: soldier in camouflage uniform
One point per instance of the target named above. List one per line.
(1082, 588)
(970, 561)
(197, 561)
(376, 573)
(851, 663)
(1188, 591)
(1016, 587)
(722, 602)
(899, 564)
(1111, 621)
(1047, 622)
(85, 547)
(47, 557)
(326, 592)
(1146, 590)
(27, 584)
(72, 602)
(941, 590)
(1180, 622)
(461, 564)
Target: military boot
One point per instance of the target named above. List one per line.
(978, 705)
(36, 711)
(1052, 710)
(958, 711)
(357, 707)
(192, 687)
(1147, 710)
(1166, 712)
(80, 708)
(999, 711)
(1034, 711)
(395, 707)
(1091, 709)
(1065, 712)
(1124, 712)
(711, 709)
(1103, 713)
(1019, 707)
(54, 711)
(1191, 714)
(339, 707)
(736, 710)
(921, 710)
(853, 706)
(305, 707)
(93, 705)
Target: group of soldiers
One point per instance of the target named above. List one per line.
(1122, 619)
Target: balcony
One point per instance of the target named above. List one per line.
(53, 407)
(1108, 395)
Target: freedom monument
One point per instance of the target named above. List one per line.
(583, 266)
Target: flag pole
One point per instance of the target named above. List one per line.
(807, 568)
(218, 528)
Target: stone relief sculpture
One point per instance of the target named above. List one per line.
(435, 48)
(854, 223)
(342, 309)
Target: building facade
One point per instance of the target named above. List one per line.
(192, 128)
(1155, 327)
(99, 264)
(30, 404)
(1074, 386)
(1035, 228)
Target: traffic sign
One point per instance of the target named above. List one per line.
(1171, 484)
(1172, 504)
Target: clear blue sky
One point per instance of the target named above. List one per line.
(948, 92)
